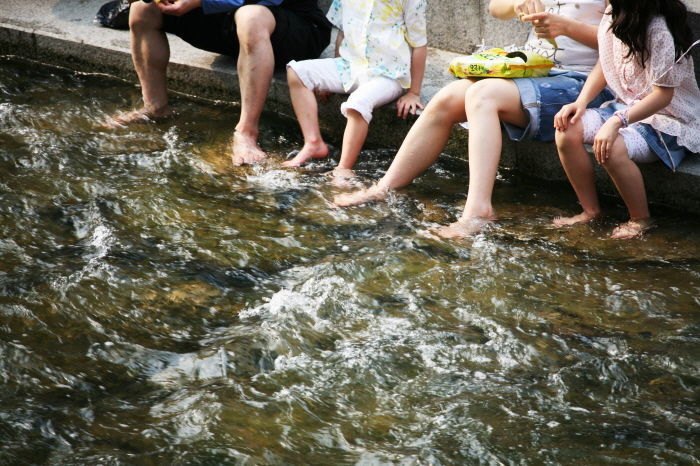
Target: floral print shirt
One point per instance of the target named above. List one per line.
(631, 82)
(378, 37)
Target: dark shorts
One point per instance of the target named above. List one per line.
(294, 38)
(542, 98)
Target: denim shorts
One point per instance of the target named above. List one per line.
(664, 145)
(542, 98)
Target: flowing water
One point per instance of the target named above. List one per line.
(158, 306)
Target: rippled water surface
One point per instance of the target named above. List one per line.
(158, 306)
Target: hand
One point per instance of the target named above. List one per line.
(527, 7)
(605, 138)
(322, 96)
(408, 103)
(569, 115)
(547, 25)
(178, 7)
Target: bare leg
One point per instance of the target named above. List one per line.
(421, 147)
(353, 139)
(150, 53)
(488, 102)
(306, 111)
(256, 62)
(630, 183)
(578, 166)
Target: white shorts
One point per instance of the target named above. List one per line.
(637, 148)
(366, 94)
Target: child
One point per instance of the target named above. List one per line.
(380, 51)
(656, 114)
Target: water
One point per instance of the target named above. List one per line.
(161, 307)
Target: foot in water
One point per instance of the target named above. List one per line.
(310, 151)
(464, 227)
(343, 178)
(373, 193)
(246, 150)
(583, 217)
(141, 115)
(635, 228)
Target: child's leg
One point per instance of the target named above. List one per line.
(358, 109)
(353, 139)
(579, 170)
(422, 146)
(303, 78)
(630, 184)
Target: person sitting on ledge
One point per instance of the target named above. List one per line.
(643, 58)
(525, 106)
(261, 34)
(381, 50)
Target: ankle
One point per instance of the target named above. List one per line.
(246, 132)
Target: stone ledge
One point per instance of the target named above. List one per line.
(62, 32)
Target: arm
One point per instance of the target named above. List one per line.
(656, 101)
(550, 26)
(410, 101)
(571, 113)
(338, 40)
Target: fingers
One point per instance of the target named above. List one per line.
(577, 115)
(601, 149)
(562, 118)
(406, 106)
(403, 109)
(535, 18)
(528, 7)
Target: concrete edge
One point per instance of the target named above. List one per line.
(215, 78)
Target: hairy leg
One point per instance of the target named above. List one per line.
(150, 53)
(306, 111)
(256, 61)
(421, 147)
(488, 102)
(578, 167)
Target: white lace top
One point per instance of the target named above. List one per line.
(570, 54)
(627, 78)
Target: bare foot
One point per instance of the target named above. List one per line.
(583, 217)
(309, 151)
(634, 228)
(343, 178)
(464, 227)
(141, 115)
(373, 193)
(246, 150)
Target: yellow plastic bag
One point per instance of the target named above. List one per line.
(497, 63)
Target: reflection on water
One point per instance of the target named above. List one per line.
(160, 306)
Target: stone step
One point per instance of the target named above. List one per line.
(63, 32)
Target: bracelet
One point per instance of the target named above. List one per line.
(622, 115)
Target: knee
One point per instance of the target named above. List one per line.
(572, 137)
(482, 97)
(144, 16)
(293, 79)
(254, 26)
(448, 104)
(618, 158)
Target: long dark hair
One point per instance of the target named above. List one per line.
(631, 18)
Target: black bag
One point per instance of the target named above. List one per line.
(114, 14)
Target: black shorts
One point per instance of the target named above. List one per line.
(294, 38)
